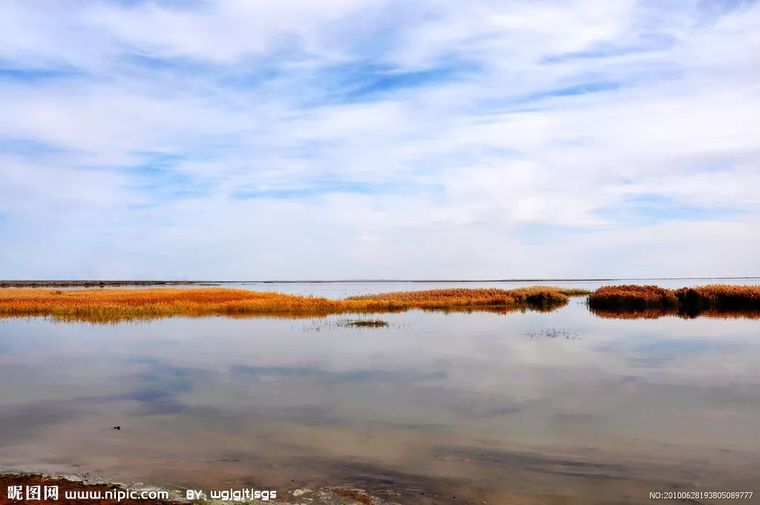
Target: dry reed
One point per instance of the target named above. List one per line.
(632, 297)
(113, 305)
(717, 300)
(537, 297)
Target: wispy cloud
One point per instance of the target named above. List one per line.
(379, 138)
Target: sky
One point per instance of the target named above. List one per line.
(345, 139)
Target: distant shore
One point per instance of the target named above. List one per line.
(93, 283)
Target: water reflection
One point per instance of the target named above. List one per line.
(684, 314)
(480, 406)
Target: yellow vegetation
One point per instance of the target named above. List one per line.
(632, 297)
(112, 305)
(717, 300)
(535, 297)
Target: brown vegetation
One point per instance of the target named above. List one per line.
(718, 300)
(367, 323)
(719, 297)
(113, 305)
(451, 299)
(632, 297)
(355, 495)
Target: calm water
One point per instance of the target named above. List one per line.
(560, 407)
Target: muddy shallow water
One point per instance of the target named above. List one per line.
(559, 407)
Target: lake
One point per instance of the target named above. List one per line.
(525, 407)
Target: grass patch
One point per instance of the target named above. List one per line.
(632, 297)
(114, 305)
(366, 323)
(717, 300)
(536, 297)
(574, 291)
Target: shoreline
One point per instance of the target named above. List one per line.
(58, 283)
(95, 283)
(76, 489)
(92, 492)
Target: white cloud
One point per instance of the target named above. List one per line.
(342, 138)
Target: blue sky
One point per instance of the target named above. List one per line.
(239, 139)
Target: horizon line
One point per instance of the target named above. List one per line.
(327, 281)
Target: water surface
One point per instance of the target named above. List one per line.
(559, 407)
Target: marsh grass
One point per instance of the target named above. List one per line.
(632, 297)
(115, 305)
(649, 302)
(554, 333)
(535, 297)
(365, 323)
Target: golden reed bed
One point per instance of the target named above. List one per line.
(113, 305)
(717, 300)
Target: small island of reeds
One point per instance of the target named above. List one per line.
(114, 305)
(719, 300)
